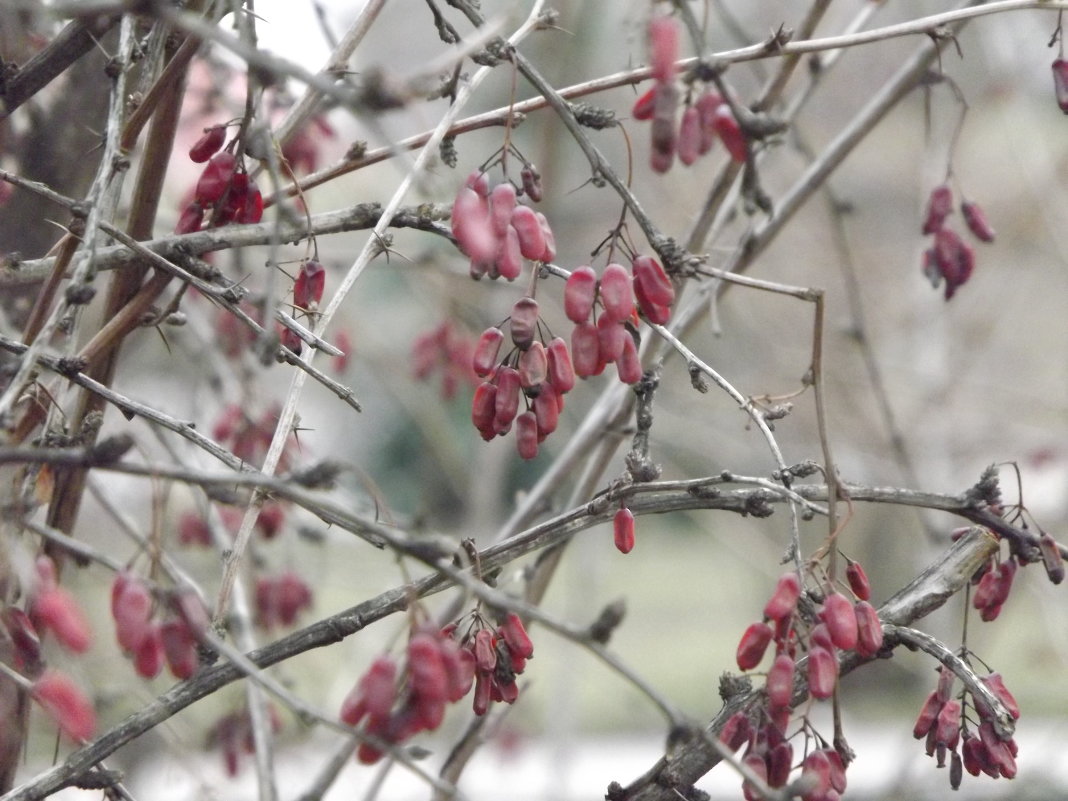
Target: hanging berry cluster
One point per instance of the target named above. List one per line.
(950, 258)
(280, 599)
(943, 724)
(706, 116)
(150, 642)
(842, 626)
(541, 374)
(495, 231)
(224, 193)
(441, 669)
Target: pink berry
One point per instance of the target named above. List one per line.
(623, 530)
(579, 293)
(663, 47)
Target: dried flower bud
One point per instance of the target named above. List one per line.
(753, 644)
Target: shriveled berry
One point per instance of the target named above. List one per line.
(507, 401)
(996, 684)
(191, 219)
(617, 294)
(611, 336)
(623, 530)
(485, 651)
(309, 286)
(509, 261)
(629, 365)
(754, 643)
(531, 180)
(208, 144)
(939, 206)
(579, 293)
(784, 597)
(654, 282)
(975, 219)
(932, 705)
(869, 629)
(947, 725)
(533, 366)
(515, 635)
(1051, 558)
(502, 203)
(484, 408)
(524, 322)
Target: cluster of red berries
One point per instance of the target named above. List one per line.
(993, 583)
(495, 231)
(944, 726)
(443, 348)
(193, 529)
(541, 373)
(148, 642)
(440, 670)
(706, 117)
(950, 258)
(843, 625)
(224, 193)
(279, 599)
(52, 609)
(232, 734)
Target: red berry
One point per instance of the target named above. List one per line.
(131, 609)
(784, 598)
(858, 581)
(191, 219)
(755, 762)
(516, 637)
(67, 704)
(208, 144)
(779, 761)
(689, 143)
(869, 630)
(841, 621)
(548, 254)
(56, 610)
(309, 286)
(939, 206)
(526, 435)
(928, 715)
(822, 673)
(643, 106)
(479, 182)
(471, 225)
(531, 180)
(502, 203)
(426, 670)
(179, 648)
(251, 210)
(1051, 558)
(509, 261)
(585, 350)
(533, 366)
(780, 681)
(623, 530)
(629, 365)
(617, 295)
(26, 644)
(484, 360)
(736, 731)
(663, 47)
(484, 408)
(651, 278)
(728, 130)
(215, 179)
(611, 336)
(996, 684)
(561, 371)
(817, 769)
(547, 411)
(947, 725)
(579, 293)
(531, 235)
(507, 401)
(975, 219)
(706, 106)
(524, 322)
(149, 657)
(753, 644)
(1060, 83)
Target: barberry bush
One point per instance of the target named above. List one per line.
(345, 371)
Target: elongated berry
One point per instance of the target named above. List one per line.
(947, 725)
(755, 762)
(780, 681)
(653, 312)
(1060, 83)
(617, 294)
(736, 731)
(149, 657)
(507, 400)
(179, 648)
(706, 106)
(524, 322)
(653, 280)
(561, 371)
(215, 179)
(485, 651)
(975, 219)
(251, 210)
(663, 47)
(996, 684)
(509, 261)
(56, 610)
(131, 609)
(784, 597)
(643, 106)
(426, 671)
(460, 668)
(816, 769)
(531, 236)
(65, 702)
(939, 206)
(548, 254)
(579, 293)
(623, 530)
(869, 629)
(502, 203)
(373, 694)
(471, 225)
(754, 643)
(932, 705)
(822, 673)
(585, 350)
(479, 182)
(629, 365)
(526, 435)
(1051, 558)
(730, 133)
(779, 761)
(547, 411)
(488, 347)
(208, 144)
(191, 219)
(26, 644)
(841, 621)
(611, 336)
(533, 366)
(689, 141)
(858, 581)
(515, 635)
